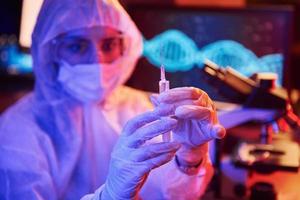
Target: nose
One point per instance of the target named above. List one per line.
(95, 56)
(100, 56)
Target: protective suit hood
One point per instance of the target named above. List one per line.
(57, 17)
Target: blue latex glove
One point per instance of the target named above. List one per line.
(132, 158)
(197, 120)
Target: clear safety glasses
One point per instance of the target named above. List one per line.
(82, 50)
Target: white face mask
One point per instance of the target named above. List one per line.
(88, 82)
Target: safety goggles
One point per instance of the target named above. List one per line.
(78, 49)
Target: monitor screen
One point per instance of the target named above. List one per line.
(249, 40)
(13, 60)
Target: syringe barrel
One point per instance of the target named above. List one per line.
(164, 86)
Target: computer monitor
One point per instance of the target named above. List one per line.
(15, 40)
(250, 40)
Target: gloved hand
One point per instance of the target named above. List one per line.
(132, 158)
(197, 119)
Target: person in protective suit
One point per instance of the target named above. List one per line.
(82, 134)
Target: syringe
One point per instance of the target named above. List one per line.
(164, 85)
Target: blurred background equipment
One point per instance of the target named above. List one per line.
(258, 92)
(250, 40)
(13, 61)
(16, 78)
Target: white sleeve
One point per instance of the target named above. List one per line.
(94, 196)
(168, 182)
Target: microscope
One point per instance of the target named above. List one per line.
(277, 148)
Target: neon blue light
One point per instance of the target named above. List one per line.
(178, 52)
(228, 53)
(17, 62)
(173, 49)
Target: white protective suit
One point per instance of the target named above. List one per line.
(52, 147)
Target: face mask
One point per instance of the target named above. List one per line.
(88, 82)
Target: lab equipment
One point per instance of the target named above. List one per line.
(162, 34)
(164, 85)
(241, 89)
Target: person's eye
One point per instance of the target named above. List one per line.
(108, 45)
(77, 48)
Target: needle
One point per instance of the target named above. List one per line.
(164, 85)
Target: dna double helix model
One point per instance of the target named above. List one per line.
(178, 52)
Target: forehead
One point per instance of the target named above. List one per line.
(93, 32)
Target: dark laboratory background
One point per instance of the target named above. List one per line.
(259, 158)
